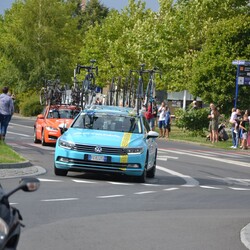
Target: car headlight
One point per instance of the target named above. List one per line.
(65, 144)
(51, 129)
(133, 150)
(4, 229)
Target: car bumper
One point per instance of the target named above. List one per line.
(79, 161)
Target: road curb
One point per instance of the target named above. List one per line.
(15, 165)
(21, 169)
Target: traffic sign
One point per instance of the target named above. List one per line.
(241, 62)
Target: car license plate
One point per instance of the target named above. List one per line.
(97, 158)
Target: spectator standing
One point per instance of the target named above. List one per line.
(210, 121)
(234, 121)
(244, 125)
(248, 137)
(161, 121)
(98, 101)
(150, 117)
(155, 113)
(6, 112)
(167, 127)
(214, 124)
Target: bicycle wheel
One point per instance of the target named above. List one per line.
(43, 97)
(139, 94)
(49, 97)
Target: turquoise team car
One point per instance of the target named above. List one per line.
(108, 139)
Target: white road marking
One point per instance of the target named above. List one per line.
(63, 199)
(110, 196)
(210, 187)
(146, 192)
(151, 185)
(170, 189)
(238, 163)
(49, 180)
(245, 236)
(239, 189)
(190, 182)
(165, 158)
(86, 182)
(20, 125)
(120, 183)
(19, 134)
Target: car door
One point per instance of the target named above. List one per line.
(150, 144)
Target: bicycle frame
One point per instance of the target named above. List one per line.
(88, 84)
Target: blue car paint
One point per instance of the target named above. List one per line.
(105, 138)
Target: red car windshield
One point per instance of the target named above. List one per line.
(63, 113)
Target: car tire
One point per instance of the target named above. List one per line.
(60, 172)
(142, 178)
(35, 137)
(151, 172)
(43, 139)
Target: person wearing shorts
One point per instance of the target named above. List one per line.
(161, 120)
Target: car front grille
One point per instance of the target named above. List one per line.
(105, 150)
(81, 163)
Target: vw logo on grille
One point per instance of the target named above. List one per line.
(98, 149)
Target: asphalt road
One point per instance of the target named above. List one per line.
(198, 200)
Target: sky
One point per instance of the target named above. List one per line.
(117, 4)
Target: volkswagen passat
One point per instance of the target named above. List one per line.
(109, 140)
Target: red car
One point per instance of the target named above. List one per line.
(49, 125)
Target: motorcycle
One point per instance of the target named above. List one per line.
(10, 217)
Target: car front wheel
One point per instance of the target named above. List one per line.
(35, 137)
(43, 139)
(60, 172)
(151, 172)
(142, 178)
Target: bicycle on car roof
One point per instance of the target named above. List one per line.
(88, 88)
(142, 99)
(53, 92)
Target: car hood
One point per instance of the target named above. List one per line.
(104, 138)
(56, 122)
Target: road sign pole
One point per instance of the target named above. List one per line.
(236, 86)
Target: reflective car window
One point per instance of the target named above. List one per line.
(108, 122)
(63, 114)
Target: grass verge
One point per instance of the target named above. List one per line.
(8, 155)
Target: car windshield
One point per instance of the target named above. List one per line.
(63, 113)
(110, 122)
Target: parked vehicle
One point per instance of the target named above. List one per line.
(108, 139)
(10, 217)
(55, 118)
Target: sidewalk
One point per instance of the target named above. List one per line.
(16, 170)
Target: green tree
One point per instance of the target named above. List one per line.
(213, 75)
(39, 39)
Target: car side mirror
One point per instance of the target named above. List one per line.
(41, 116)
(63, 128)
(152, 134)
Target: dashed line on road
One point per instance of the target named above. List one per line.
(49, 180)
(110, 196)
(170, 189)
(120, 183)
(63, 199)
(239, 189)
(86, 182)
(210, 187)
(145, 192)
